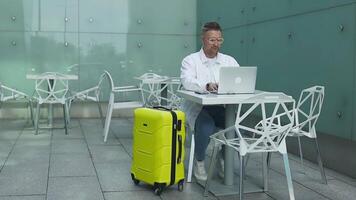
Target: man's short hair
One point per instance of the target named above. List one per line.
(210, 26)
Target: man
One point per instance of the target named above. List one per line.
(200, 72)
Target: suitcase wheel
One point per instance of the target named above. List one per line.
(180, 185)
(136, 182)
(158, 188)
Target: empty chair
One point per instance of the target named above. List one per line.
(307, 113)
(90, 94)
(51, 88)
(117, 103)
(245, 139)
(172, 100)
(9, 94)
(153, 85)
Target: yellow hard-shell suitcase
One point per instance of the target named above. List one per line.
(158, 148)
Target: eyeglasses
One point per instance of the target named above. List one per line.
(214, 40)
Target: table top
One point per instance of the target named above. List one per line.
(46, 76)
(215, 99)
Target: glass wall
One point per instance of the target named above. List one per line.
(85, 37)
(295, 45)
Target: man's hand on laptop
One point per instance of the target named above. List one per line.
(211, 87)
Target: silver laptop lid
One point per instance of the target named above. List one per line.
(236, 80)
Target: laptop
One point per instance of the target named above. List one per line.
(237, 80)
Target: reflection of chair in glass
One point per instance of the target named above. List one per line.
(119, 104)
(245, 139)
(9, 94)
(52, 89)
(152, 86)
(306, 115)
(91, 94)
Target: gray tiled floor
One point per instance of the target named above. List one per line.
(80, 166)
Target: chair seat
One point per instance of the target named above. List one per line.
(125, 105)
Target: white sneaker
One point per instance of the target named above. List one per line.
(199, 171)
(221, 167)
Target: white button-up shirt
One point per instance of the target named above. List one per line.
(197, 70)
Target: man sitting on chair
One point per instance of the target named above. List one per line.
(200, 72)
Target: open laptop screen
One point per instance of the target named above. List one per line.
(237, 80)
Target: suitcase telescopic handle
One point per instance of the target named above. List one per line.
(180, 146)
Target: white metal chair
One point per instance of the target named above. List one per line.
(91, 94)
(9, 94)
(52, 88)
(190, 131)
(307, 113)
(172, 100)
(115, 104)
(268, 139)
(152, 85)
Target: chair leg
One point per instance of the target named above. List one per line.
(289, 176)
(31, 113)
(320, 162)
(211, 169)
(68, 106)
(265, 171)
(301, 154)
(65, 118)
(242, 176)
(108, 118)
(191, 159)
(101, 114)
(269, 158)
(37, 118)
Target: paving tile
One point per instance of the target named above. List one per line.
(71, 165)
(127, 144)
(9, 134)
(74, 188)
(131, 195)
(10, 124)
(73, 133)
(69, 146)
(93, 133)
(99, 140)
(122, 131)
(277, 183)
(32, 197)
(5, 147)
(115, 177)
(19, 178)
(29, 136)
(108, 153)
(251, 196)
(73, 176)
(191, 191)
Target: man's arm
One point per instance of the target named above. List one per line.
(188, 76)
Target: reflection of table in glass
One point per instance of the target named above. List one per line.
(229, 101)
(51, 79)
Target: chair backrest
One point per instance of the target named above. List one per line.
(51, 88)
(151, 86)
(92, 93)
(7, 93)
(308, 110)
(151, 78)
(173, 100)
(261, 109)
(111, 81)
